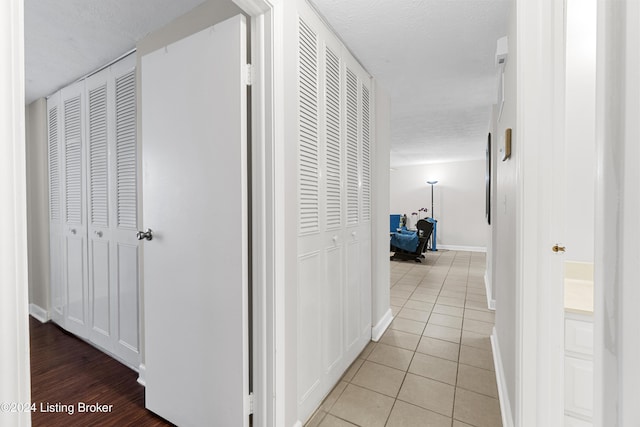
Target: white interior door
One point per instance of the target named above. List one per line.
(195, 201)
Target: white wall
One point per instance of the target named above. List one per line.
(38, 204)
(459, 199)
(503, 219)
(380, 274)
(580, 129)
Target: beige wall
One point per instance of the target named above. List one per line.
(37, 202)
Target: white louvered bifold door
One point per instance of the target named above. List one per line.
(334, 207)
(75, 272)
(98, 138)
(125, 248)
(56, 238)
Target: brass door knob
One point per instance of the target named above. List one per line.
(557, 248)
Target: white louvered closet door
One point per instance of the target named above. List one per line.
(113, 251)
(334, 201)
(74, 229)
(56, 238)
(125, 248)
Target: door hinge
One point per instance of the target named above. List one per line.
(251, 400)
(248, 74)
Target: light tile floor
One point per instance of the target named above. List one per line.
(433, 366)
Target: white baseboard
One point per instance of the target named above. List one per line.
(39, 313)
(491, 303)
(142, 370)
(503, 394)
(462, 248)
(381, 326)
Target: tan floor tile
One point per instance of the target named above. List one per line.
(434, 367)
(426, 298)
(407, 325)
(423, 290)
(331, 421)
(395, 310)
(447, 309)
(400, 339)
(398, 301)
(478, 305)
(446, 320)
(406, 415)
(333, 396)
(476, 297)
(379, 378)
(352, 370)
(418, 305)
(476, 409)
(482, 328)
(406, 288)
(316, 418)
(400, 294)
(408, 313)
(428, 394)
(394, 357)
(363, 407)
(367, 350)
(457, 423)
(454, 302)
(478, 380)
(476, 340)
(439, 348)
(476, 290)
(453, 294)
(483, 316)
(442, 333)
(477, 357)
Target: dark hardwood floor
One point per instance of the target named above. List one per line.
(67, 371)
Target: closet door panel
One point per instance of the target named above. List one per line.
(333, 309)
(98, 138)
(99, 282)
(352, 297)
(56, 246)
(125, 255)
(127, 291)
(74, 229)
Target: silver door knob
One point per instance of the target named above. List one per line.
(146, 234)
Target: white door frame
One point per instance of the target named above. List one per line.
(14, 353)
(538, 136)
(267, 211)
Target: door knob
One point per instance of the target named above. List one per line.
(146, 234)
(557, 248)
(98, 233)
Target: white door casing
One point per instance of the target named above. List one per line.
(195, 201)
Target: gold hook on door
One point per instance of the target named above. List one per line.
(556, 248)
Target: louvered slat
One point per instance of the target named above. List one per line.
(126, 152)
(73, 160)
(352, 148)
(308, 130)
(98, 160)
(366, 156)
(54, 166)
(333, 137)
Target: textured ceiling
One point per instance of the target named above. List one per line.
(436, 60)
(67, 39)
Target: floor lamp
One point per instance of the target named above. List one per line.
(433, 221)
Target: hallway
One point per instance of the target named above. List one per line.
(433, 366)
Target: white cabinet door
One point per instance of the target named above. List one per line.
(74, 229)
(195, 201)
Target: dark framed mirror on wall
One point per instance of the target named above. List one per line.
(487, 180)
